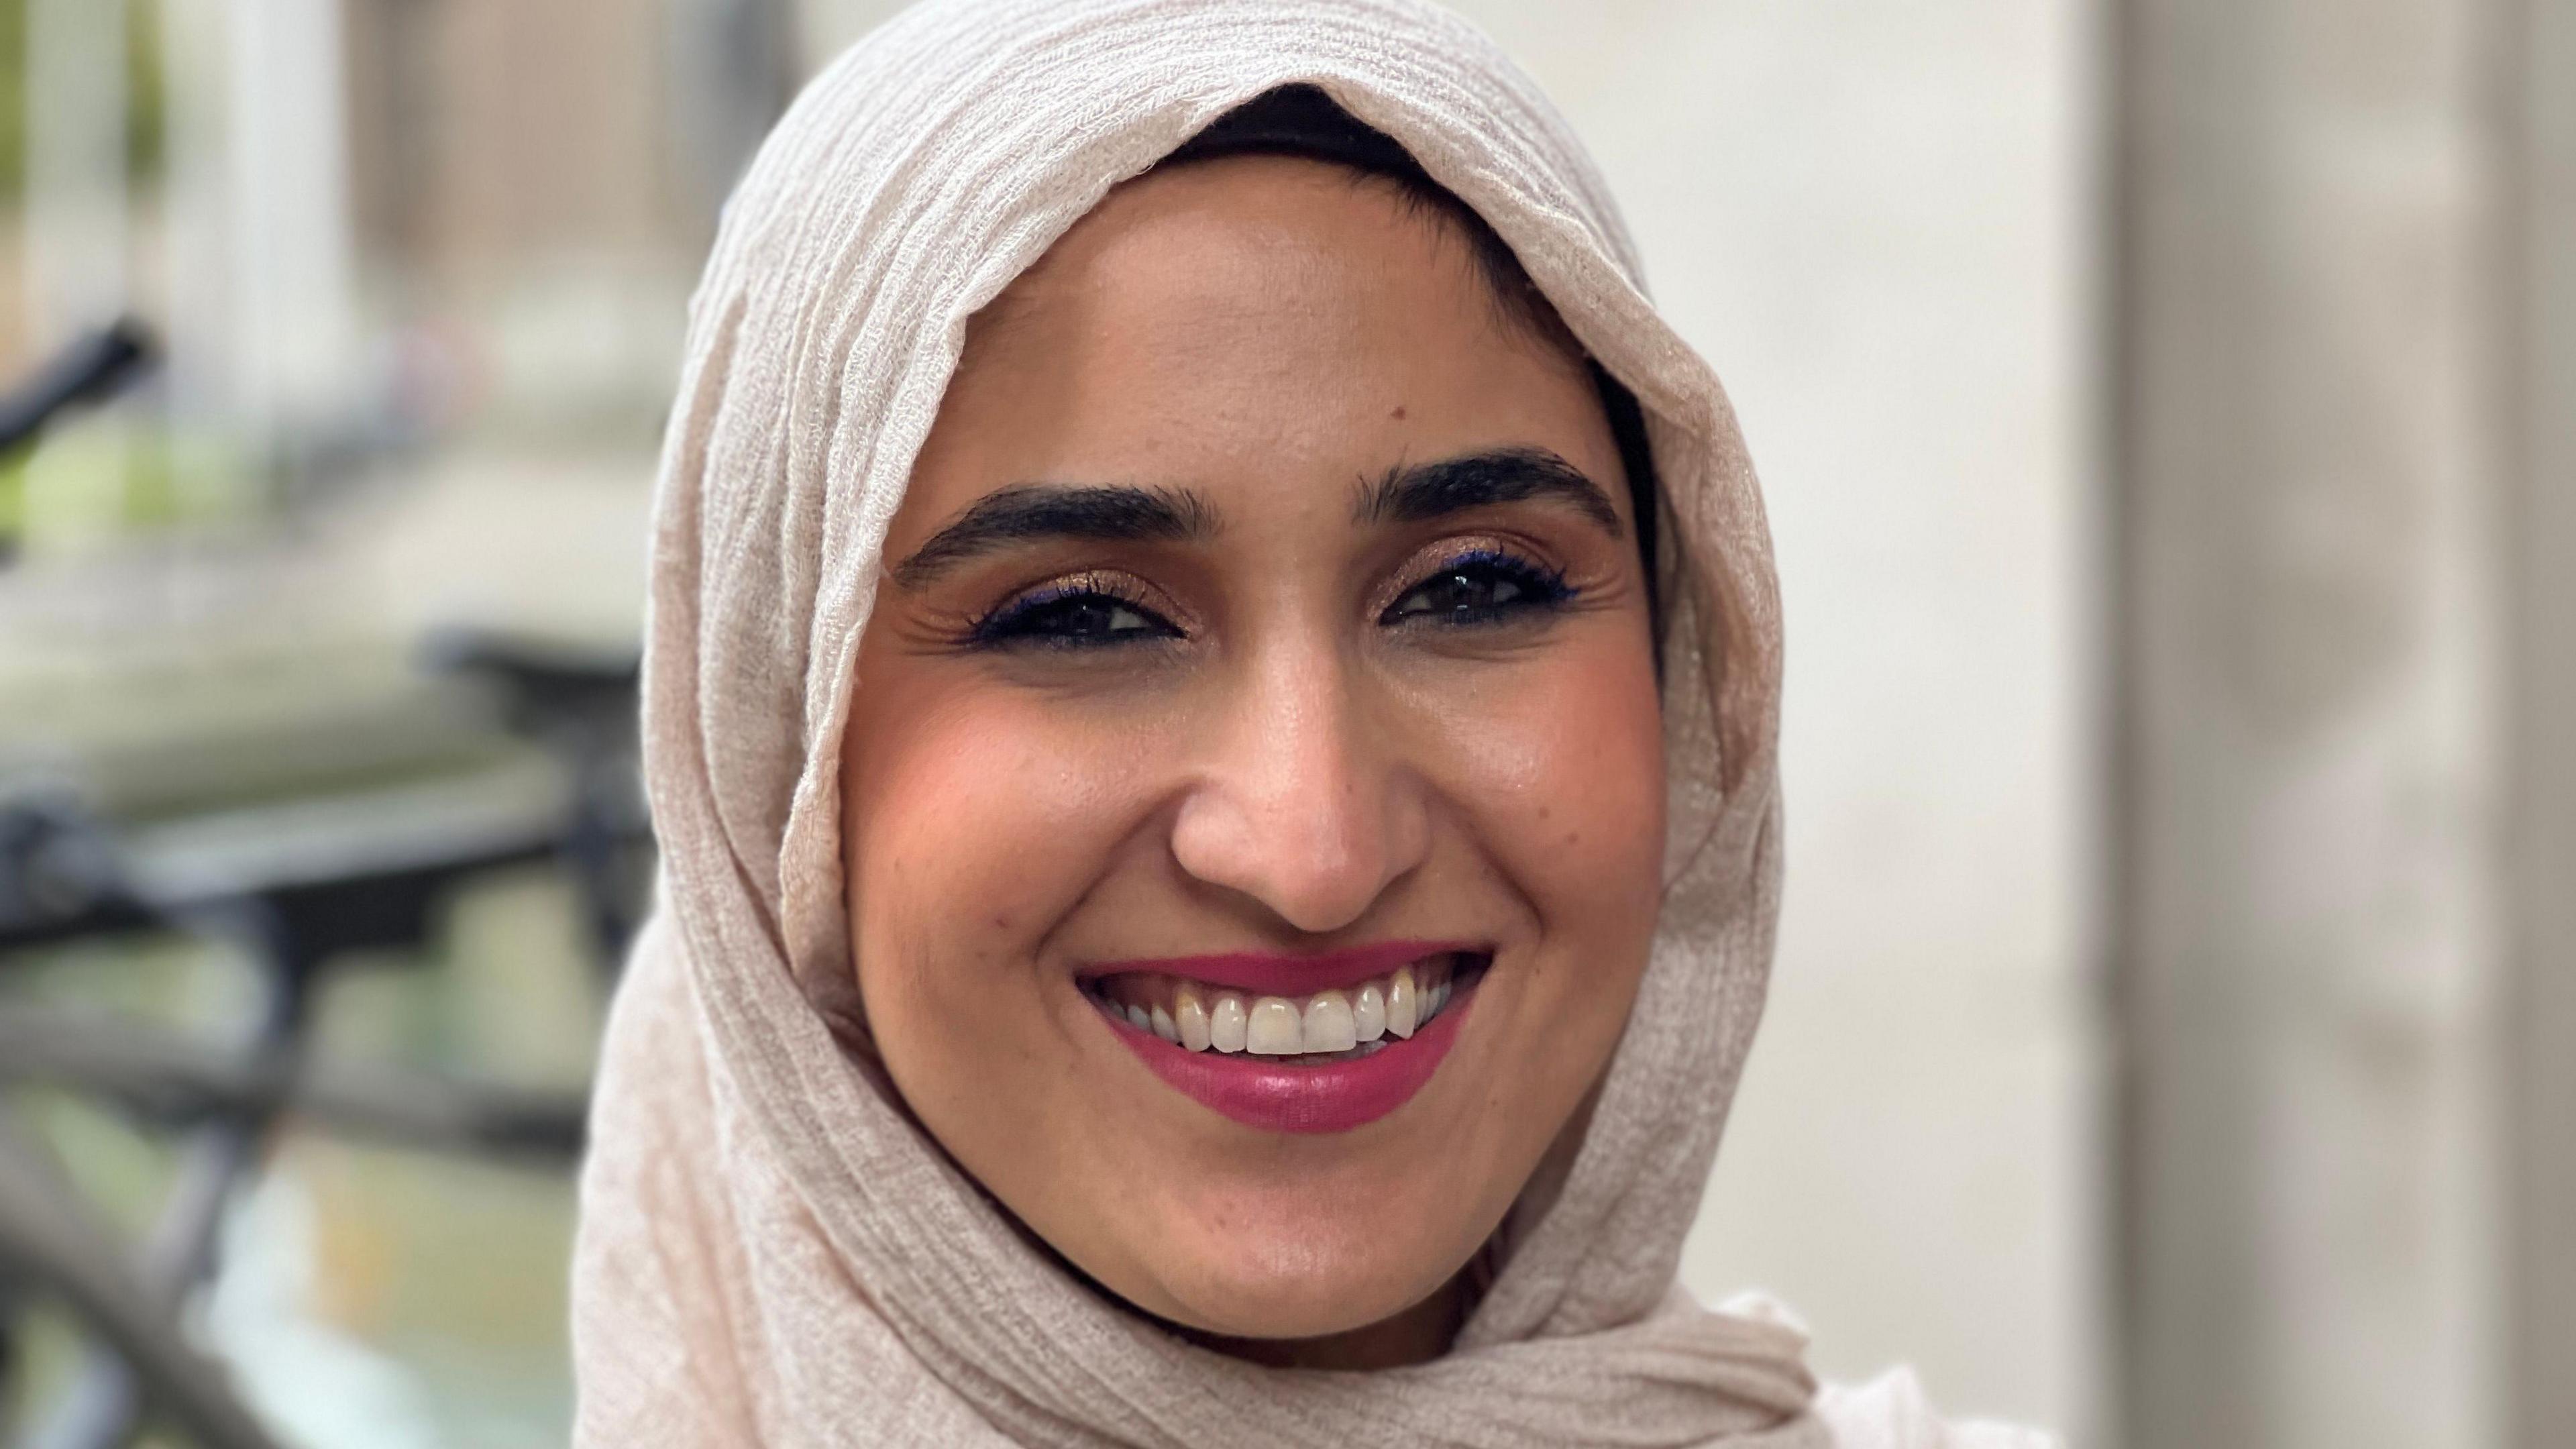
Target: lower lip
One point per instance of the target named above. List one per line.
(1333, 1097)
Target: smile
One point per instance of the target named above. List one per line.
(1293, 1043)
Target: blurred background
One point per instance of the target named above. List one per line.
(2168, 412)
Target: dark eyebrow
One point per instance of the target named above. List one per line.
(1425, 491)
(1026, 511)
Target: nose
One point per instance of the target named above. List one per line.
(1303, 802)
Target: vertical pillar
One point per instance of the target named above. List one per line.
(2541, 523)
(2309, 626)
(78, 246)
(196, 322)
(289, 247)
(76, 202)
(733, 69)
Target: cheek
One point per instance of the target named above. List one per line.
(1563, 783)
(1564, 779)
(974, 822)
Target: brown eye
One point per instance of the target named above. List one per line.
(1479, 588)
(1076, 618)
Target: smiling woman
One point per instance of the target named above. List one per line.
(1283, 737)
(1210, 707)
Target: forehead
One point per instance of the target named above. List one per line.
(1219, 220)
(1247, 317)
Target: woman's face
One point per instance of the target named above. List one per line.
(1254, 787)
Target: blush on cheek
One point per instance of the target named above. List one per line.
(978, 828)
(1573, 778)
(975, 825)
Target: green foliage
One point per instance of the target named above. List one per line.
(13, 98)
(145, 114)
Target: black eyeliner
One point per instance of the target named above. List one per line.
(1007, 624)
(1544, 589)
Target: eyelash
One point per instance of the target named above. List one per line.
(1020, 622)
(1025, 621)
(1539, 588)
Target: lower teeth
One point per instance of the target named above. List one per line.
(1320, 1059)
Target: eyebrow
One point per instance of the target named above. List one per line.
(1425, 491)
(1103, 513)
(1124, 513)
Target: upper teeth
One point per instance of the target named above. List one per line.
(1203, 1018)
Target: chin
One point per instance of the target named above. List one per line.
(1294, 1301)
(1298, 1262)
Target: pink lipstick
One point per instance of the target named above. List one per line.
(1293, 1043)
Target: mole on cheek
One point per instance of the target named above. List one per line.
(1398, 414)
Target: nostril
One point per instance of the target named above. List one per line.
(1298, 804)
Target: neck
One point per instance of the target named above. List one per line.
(1417, 1335)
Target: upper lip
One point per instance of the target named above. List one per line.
(1274, 974)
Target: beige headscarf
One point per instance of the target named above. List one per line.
(770, 1252)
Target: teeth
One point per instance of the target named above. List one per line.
(1368, 1013)
(1227, 1024)
(1329, 1023)
(1403, 1003)
(1329, 1026)
(1276, 1029)
(1190, 1016)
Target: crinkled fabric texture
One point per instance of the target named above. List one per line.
(770, 1252)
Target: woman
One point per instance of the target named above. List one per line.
(1210, 708)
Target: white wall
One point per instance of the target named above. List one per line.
(1872, 216)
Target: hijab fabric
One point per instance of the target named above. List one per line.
(770, 1251)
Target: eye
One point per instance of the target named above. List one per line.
(1069, 616)
(1483, 587)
